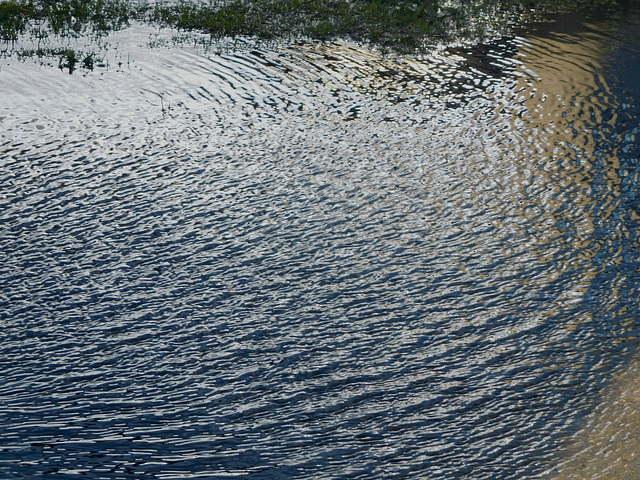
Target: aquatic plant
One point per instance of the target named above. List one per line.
(65, 17)
(401, 25)
(68, 58)
(13, 20)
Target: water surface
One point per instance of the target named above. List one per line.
(312, 261)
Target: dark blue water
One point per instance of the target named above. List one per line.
(314, 261)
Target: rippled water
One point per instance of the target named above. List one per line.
(311, 261)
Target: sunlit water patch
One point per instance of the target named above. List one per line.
(311, 261)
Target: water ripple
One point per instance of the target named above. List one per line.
(313, 261)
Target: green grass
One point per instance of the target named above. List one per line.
(400, 25)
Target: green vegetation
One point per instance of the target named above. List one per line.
(68, 58)
(63, 18)
(401, 25)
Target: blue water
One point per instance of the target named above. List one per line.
(316, 262)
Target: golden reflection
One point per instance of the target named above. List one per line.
(607, 447)
(560, 107)
(567, 103)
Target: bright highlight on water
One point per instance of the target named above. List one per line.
(315, 261)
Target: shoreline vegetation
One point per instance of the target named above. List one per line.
(401, 26)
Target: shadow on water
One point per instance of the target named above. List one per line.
(312, 261)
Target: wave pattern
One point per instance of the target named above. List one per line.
(313, 261)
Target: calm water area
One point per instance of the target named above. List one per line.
(313, 261)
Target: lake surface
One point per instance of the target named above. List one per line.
(312, 261)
